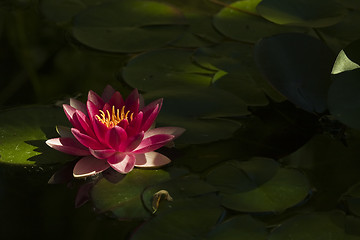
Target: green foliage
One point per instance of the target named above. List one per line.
(271, 143)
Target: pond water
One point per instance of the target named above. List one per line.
(244, 124)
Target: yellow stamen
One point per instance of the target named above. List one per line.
(113, 118)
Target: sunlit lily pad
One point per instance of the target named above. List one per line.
(305, 13)
(165, 68)
(240, 21)
(23, 132)
(128, 26)
(204, 112)
(298, 66)
(123, 198)
(328, 225)
(259, 185)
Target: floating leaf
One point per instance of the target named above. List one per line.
(331, 166)
(239, 227)
(123, 198)
(165, 68)
(202, 112)
(298, 66)
(328, 225)
(188, 222)
(128, 26)
(259, 185)
(240, 21)
(23, 132)
(304, 13)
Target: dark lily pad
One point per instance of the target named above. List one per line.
(240, 21)
(191, 221)
(239, 227)
(165, 68)
(123, 198)
(259, 185)
(304, 13)
(23, 132)
(203, 112)
(128, 26)
(352, 199)
(327, 225)
(298, 66)
(344, 99)
(327, 160)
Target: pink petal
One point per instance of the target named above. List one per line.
(116, 137)
(116, 100)
(102, 153)
(175, 131)
(135, 125)
(70, 113)
(148, 121)
(88, 166)
(134, 142)
(64, 132)
(68, 145)
(124, 124)
(107, 107)
(151, 159)
(93, 110)
(151, 106)
(108, 92)
(152, 143)
(84, 122)
(123, 163)
(96, 99)
(100, 130)
(132, 102)
(78, 105)
(86, 140)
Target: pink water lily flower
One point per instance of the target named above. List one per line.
(111, 132)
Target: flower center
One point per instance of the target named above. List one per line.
(115, 117)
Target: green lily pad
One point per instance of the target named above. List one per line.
(165, 68)
(191, 222)
(298, 66)
(304, 13)
(328, 225)
(344, 100)
(259, 185)
(128, 26)
(123, 198)
(239, 227)
(183, 188)
(240, 21)
(203, 112)
(352, 199)
(326, 160)
(23, 132)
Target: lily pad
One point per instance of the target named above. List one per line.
(326, 160)
(259, 185)
(328, 225)
(240, 21)
(128, 26)
(183, 188)
(204, 112)
(23, 132)
(165, 68)
(298, 66)
(239, 227)
(191, 222)
(123, 198)
(304, 13)
(352, 199)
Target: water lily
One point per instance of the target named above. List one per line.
(112, 132)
